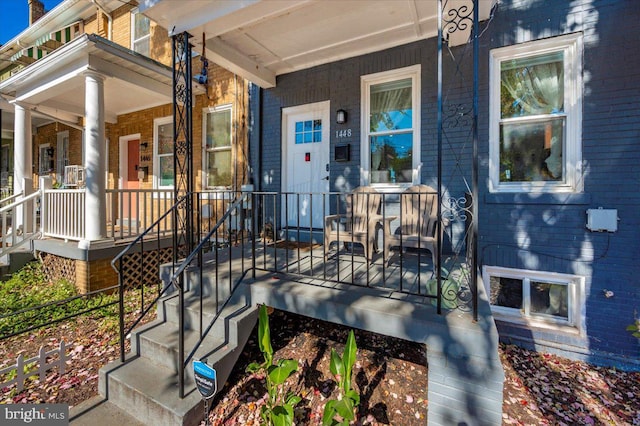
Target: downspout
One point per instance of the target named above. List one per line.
(474, 167)
(439, 166)
(255, 133)
(109, 19)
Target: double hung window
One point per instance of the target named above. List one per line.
(163, 153)
(46, 159)
(140, 33)
(217, 156)
(536, 94)
(391, 126)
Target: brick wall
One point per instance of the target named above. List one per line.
(122, 26)
(48, 134)
(95, 275)
(548, 233)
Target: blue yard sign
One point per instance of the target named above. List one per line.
(206, 380)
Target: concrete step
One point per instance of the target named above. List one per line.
(13, 262)
(150, 393)
(98, 411)
(169, 309)
(146, 384)
(215, 275)
(158, 342)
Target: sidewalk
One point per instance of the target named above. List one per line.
(98, 411)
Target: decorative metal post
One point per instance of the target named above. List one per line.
(183, 241)
(437, 267)
(183, 146)
(461, 114)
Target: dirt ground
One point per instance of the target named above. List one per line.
(390, 375)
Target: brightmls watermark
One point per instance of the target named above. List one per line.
(34, 414)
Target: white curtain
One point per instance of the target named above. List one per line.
(386, 98)
(537, 89)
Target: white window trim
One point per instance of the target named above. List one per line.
(576, 298)
(62, 159)
(135, 12)
(366, 81)
(205, 112)
(40, 158)
(156, 157)
(571, 45)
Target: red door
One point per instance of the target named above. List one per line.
(130, 199)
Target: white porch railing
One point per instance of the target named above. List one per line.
(14, 236)
(62, 213)
(129, 212)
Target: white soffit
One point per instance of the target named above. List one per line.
(57, 82)
(260, 39)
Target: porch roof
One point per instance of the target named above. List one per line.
(261, 39)
(54, 85)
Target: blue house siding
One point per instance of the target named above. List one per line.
(549, 233)
(543, 232)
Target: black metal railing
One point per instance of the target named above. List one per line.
(55, 311)
(386, 240)
(220, 240)
(154, 234)
(220, 229)
(406, 244)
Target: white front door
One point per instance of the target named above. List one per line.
(305, 164)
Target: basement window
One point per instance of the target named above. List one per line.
(536, 297)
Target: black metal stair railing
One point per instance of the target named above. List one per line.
(154, 234)
(211, 241)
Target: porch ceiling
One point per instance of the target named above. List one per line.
(55, 85)
(260, 39)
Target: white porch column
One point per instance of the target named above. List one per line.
(22, 162)
(22, 148)
(94, 165)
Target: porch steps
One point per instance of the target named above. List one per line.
(13, 262)
(146, 385)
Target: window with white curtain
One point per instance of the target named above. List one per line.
(536, 94)
(391, 127)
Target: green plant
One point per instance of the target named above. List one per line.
(634, 328)
(348, 399)
(278, 409)
(28, 299)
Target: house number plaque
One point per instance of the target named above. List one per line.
(345, 133)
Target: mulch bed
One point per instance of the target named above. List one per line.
(390, 375)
